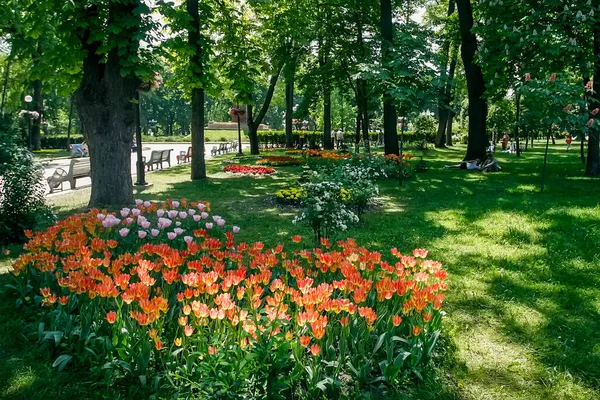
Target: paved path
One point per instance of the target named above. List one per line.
(50, 166)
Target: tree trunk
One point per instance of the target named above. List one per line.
(517, 121)
(5, 83)
(582, 132)
(365, 120)
(70, 123)
(450, 94)
(478, 141)
(289, 112)
(38, 105)
(592, 167)
(444, 103)
(449, 130)
(194, 38)
(390, 117)
(253, 124)
(104, 101)
(357, 132)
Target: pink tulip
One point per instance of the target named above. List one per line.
(197, 218)
(236, 229)
(139, 202)
(590, 122)
(164, 223)
(216, 218)
(147, 204)
(123, 232)
(129, 220)
(595, 111)
(178, 231)
(154, 232)
(527, 77)
(125, 212)
(188, 239)
(172, 213)
(171, 235)
(145, 224)
(101, 217)
(175, 204)
(135, 212)
(204, 215)
(160, 213)
(142, 234)
(183, 215)
(191, 211)
(221, 222)
(209, 225)
(553, 77)
(201, 206)
(106, 223)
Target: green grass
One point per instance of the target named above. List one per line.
(51, 153)
(209, 135)
(524, 270)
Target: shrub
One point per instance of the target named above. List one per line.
(22, 193)
(156, 291)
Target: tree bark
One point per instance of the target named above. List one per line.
(104, 101)
(444, 101)
(289, 111)
(194, 37)
(253, 123)
(517, 121)
(592, 167)
(390, 117)
(449, 130)
(478, 141)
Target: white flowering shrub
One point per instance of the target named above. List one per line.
(324, 209)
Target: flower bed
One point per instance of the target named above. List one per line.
(280, 160)
(150, 291)
(248, 170)
(324, 154)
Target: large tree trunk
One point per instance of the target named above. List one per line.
(478, 141)
(253, 123)
(327, 139)
(444, 101)
(449, 130)
(289, 112)
(592, 167)
(104, 101)
(194, 38)
(390, 117)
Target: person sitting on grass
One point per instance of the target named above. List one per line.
(490, 164)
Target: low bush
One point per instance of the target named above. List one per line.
(22, 193)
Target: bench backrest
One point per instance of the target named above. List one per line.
(155, 156)
(80, 167)
(166, 154)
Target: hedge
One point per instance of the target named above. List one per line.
(58, 141)
(277, 138)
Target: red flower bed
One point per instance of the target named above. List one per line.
(248, 170)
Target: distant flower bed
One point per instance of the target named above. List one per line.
(325, 154)
(156, 291)
(280, 160)
(248, 170)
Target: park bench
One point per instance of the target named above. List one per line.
(222, 148)
(78, 168)
(183, 156)
(158, 157)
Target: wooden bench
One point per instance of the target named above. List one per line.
(183, 156)
(222, 148)
(158, 157)
(78, 168)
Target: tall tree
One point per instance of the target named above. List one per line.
(477, 144)
(444, 100)
(390, 118)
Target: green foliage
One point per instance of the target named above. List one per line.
(22, 192)
(425, 128)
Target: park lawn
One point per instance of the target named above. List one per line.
(51, 153)
(209, 136)
(524, 271)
